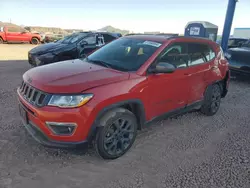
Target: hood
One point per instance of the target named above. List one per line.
(73, 76)
(51, 48)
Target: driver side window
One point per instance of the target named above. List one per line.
(176, 55)
(91, 40)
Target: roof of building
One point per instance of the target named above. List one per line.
(204, 23)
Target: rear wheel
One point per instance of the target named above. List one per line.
(212, 100)
(1, 40)
(117, 134)
(34, 41)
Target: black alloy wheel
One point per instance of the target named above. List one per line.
(116, 134)
(119, 136)
(216, 98)
(212, 100)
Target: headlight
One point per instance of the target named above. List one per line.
(69, 101)
(37, 61)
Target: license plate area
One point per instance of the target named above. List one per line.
(23, 113)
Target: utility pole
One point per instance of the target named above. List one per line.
(228, 23)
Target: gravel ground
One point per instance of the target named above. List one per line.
(188, 151)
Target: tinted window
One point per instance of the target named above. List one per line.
(125, 54)
(72, 38)
(14, 29)
(90, 40)
(199, 53)
(108, 38)
(246, 44)
(236, 42)
(176, 54)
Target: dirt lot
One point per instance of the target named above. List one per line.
(15, 51)
(189, 151)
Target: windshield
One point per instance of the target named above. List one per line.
(125, 54)
(70, 39)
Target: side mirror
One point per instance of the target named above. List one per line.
(163, 67)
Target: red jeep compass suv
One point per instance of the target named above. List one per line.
(105, 98)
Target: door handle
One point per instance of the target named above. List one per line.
(187, 74)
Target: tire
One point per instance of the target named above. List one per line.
(212, 100)
(35, 41)
(116, 134)
(1, 40)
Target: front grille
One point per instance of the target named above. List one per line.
(33, 95)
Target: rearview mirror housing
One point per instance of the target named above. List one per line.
(163, 67)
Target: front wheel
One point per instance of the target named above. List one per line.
(116, 134)
(212, 100)
(34, 41)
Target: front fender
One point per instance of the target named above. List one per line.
(99, 112)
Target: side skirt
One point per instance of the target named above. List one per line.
(176, 112)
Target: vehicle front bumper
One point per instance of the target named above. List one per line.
(41, 138)
(36, 125)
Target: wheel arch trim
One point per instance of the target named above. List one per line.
(139, 111)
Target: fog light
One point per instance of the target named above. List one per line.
(61, 128)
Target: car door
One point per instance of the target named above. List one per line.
(198, 66)
(12, 34)
(86, 45)
(169, 91)
(23, 35)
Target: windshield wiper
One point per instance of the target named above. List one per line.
(99, 62)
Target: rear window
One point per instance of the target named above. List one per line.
(14, 29)
(200, 53)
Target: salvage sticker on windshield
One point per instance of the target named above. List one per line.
(155, 44)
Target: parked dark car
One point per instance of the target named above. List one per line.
(73, 46)
(239, 59)
(234, 42)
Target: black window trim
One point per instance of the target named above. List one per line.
(206, 61)
(162, 52)
(188, 66)
(19, 30)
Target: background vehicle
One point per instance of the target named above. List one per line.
(53, 38)
(119, 88)
(239, 59)
(72, 46)
(18, 34)
(234, 42)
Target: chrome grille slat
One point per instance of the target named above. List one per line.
(28, 92)
(32, 95)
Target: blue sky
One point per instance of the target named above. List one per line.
(134, 15)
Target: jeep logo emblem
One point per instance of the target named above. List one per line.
(29, 80)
